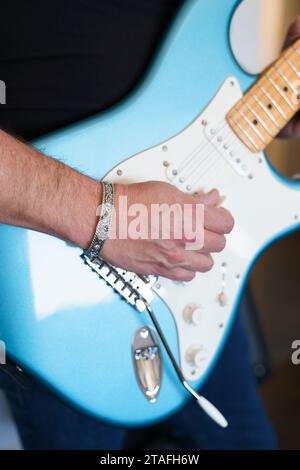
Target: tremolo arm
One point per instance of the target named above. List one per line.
(137, 291)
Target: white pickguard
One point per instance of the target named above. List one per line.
(199, 158)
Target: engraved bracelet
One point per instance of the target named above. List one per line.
(105, 222)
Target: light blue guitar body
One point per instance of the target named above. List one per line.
(58, 320)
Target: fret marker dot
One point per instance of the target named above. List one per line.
(285, 89)
(270, 106)
(255, 122)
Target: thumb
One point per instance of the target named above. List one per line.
(211, 198)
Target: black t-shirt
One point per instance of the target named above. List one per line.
(62, 60)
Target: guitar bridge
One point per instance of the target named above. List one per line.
(130, 286)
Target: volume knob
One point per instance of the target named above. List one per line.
(195, 355)
(192, 314)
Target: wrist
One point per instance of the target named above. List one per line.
(82, 218)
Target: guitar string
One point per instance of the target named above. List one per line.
(184, 163)
(194, 164)
(208, 169)
(237, 141)
(268, 88)
(233, 143)
(285, 69)
(205, 157)
(212, 151)
(214, 162)
(191, 158)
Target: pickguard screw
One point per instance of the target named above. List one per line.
(231, 83)
(144, 333)
(296, 217)
(164, 148)
(204, 122)
(119, 172)
(174, 172)
(221, 325)
(158, 286)
(166, 164)
(250, 176)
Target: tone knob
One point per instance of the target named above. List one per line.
(192, 314)
(195, 355)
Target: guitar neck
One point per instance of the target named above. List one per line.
(270, 103)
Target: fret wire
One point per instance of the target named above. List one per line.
(291, 65)
(273, 102)
(257, 100)
(246, 133)
(272, 79)
(269, 89)
(286, 58)
(296, 50)
(262, 122)
(257, 132)
(280, 92)
(270, 114)
(284, 77)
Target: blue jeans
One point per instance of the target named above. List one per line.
(44, 422)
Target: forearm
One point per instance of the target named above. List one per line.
(40, 193)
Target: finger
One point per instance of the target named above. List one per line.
(177, 274)
(197, 262)
(292, 129)
(210, 199)
(213, 242)
(218, 219)
(293, 32)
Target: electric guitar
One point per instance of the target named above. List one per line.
(197, 121)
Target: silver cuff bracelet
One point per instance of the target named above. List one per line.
(105, 222)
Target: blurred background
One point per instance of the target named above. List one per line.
(275, 279)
